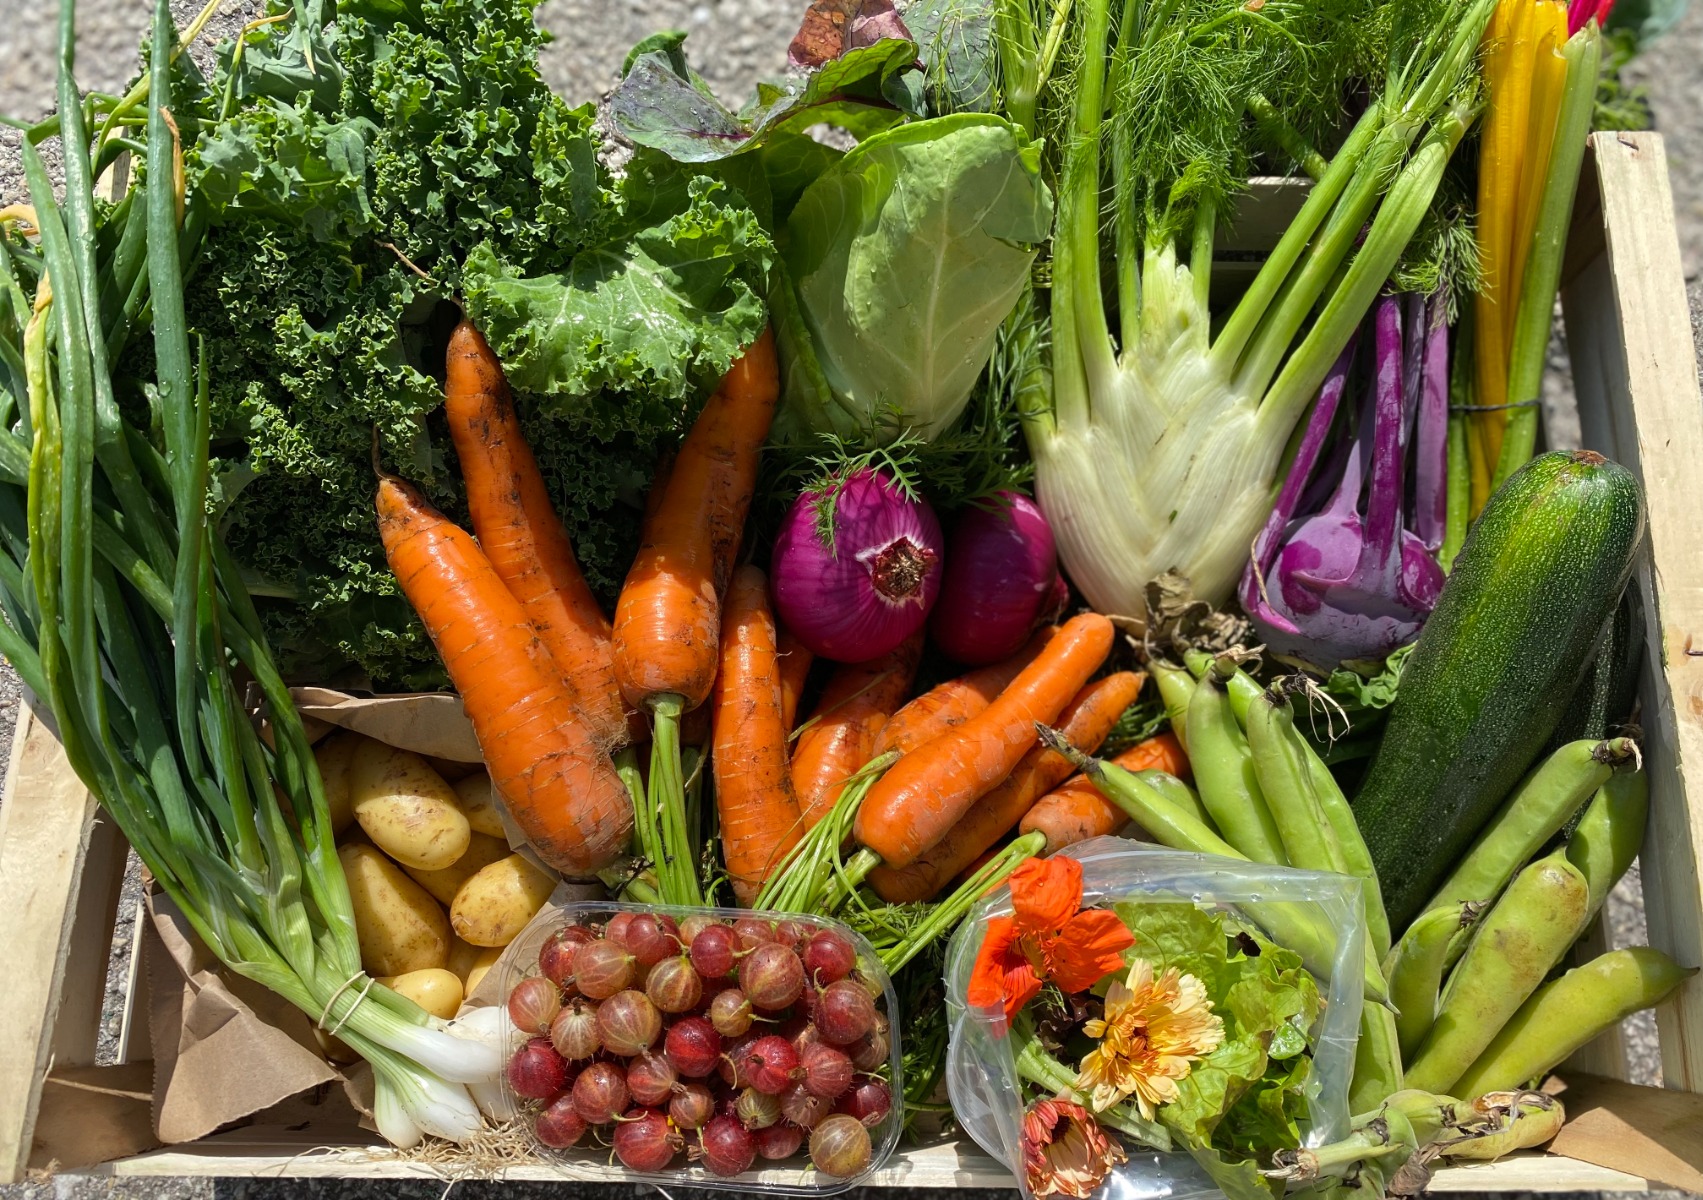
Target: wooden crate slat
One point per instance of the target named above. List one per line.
(47, 821)
(1635, 375)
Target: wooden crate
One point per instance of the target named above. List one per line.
(61, 865)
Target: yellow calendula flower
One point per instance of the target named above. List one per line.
(1153, 1031)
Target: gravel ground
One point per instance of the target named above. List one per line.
(733, 42)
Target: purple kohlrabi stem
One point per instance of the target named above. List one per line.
(1430, 459)
(1306, 456)
(1380, 558)
(1412, 363)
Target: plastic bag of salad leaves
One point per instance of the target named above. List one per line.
(1125, 1026)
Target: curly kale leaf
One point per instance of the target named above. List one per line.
(662, 314)
(342, 198)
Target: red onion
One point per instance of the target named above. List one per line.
(998, 581)
(874, 586)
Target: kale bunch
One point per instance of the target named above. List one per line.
(361, 167)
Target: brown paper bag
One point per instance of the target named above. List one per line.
(1653, 1132)
(224, 1047)
(433, 724)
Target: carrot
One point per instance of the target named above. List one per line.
(955, 701)
(926, 792)
(520, 533)
(557, 782)
(795, 666)
(1085, 722)
(668, 616)
(753, 788)
(840, 741)
(1077, 811)
(669, 611)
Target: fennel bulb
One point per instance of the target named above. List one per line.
(1158, 450)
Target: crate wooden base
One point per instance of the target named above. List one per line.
(61, 865)
(280, 1154)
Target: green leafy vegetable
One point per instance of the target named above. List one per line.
(664, 105)
(663, 314)
(906, 256)
(1248, 1096)
(341, 202)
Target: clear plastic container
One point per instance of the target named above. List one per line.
(981, 1071)
(593, 1160)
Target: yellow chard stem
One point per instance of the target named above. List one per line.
(1508, 71)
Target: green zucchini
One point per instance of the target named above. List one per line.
(1496, 665)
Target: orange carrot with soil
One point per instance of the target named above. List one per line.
(1085, 722)
(555, 778)
(840, 740)
(795, 666)
(753, 785)
(955, 701)
(668, 617)
(928, 790)
(523, 538)
(1077, 811)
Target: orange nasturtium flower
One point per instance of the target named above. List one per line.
(1046, 937)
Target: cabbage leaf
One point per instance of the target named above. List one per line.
(905, 256)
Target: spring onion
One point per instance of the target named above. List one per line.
(128, 619)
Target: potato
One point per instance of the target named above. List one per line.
(479, 805)
(497, 902)
(462, 956)
(399, 926)
(443, 883)
(333, 756)
(436, 990)
(487, 959)
(406, 808)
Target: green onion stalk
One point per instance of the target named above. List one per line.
(1159, 447)
(127, 618)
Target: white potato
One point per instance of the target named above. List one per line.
(406, 808)
(497, 902)
(479, 805)
(399, 926)
(444, 882)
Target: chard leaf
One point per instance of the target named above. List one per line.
(955, 41)
(664, 105)
(906, 255)
(660, 314)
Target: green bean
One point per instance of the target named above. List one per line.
(1176, 686)
(1377, 1058)
(1416, 966)
(1610, 833)
(1540, 915)
(1291, 925)
(1287, 786)
(1244, 689)
(1224, 773)
(1563, 1015)
(1180, 794)
(1537, 810)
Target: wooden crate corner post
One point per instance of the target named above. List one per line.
(1635, 374)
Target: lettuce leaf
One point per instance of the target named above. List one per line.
(1249, 1095)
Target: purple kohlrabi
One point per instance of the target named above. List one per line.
(1351, 583)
